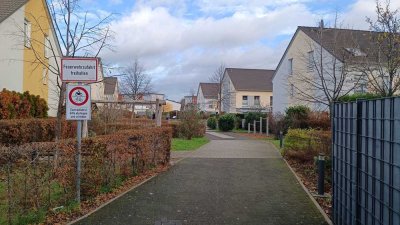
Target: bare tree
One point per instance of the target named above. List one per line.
(328, 74)
(77, 35)
(136, 83)
(382, 66)
(218, 77)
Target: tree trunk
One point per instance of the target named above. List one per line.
(58, 134)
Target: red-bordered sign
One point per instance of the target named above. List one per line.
(78, 96)
(83, 78)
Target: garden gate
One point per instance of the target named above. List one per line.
(366, 162)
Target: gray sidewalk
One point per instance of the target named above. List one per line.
(225, 182)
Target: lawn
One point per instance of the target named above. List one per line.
(180, 144)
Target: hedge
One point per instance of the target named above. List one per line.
(226, 122)
(38, 185)
(305, 144)
(21, 131)
(199, 131)
(16, 132)
(15, 105)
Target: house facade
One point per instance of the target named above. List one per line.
(171, 106)
(338, 53)
(247, 90)
(207, 97)
(98, 88)
(111, 88)
(189, 101)
(26, 60)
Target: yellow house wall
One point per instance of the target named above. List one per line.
(35, 13)
(264, 97)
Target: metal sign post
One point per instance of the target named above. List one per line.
(78, 101)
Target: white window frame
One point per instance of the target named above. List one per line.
(27, 33)
(245, 102)
(310, 64)
(257, 102)
(44, 75)
(291, 90)
(46, 46)
(290, 66)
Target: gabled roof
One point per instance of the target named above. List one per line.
(251, 79)
(110, 83)
(8, 7)
(338, 42)
(210, 90)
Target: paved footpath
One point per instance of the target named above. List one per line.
(226, 182)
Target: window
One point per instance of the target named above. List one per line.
(245, 101)
(210, 106)
(256, 100)
(47, 46)
(271, 99)
(356, 52)
(292, 90)
(44, 76)
(290, 66)
(310, 64)
(27, 33)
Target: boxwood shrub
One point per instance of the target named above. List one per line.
(226, 122)
(212, 123)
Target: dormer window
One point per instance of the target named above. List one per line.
(356, 52)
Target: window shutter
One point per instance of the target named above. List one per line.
(251, 100)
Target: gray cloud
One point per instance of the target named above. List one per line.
(179, 51)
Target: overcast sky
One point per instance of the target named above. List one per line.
(181, 42)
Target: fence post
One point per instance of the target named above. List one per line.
(261, 119)
(158, 113)
(280, 139)
(248, 128)
(321, 174)
(267, 127)
(358, 158)
(254, 126)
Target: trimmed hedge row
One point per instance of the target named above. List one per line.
(106, 162)
(16, 132)
(21, 131)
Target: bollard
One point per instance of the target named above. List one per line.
(243, 123)
(321, 173)
(254, 127)
(280, 139)
(248, 128)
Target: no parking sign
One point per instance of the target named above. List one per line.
(78, 102)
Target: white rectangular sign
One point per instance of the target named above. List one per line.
(79, 69)
(78, 102)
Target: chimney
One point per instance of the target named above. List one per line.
(321, 24)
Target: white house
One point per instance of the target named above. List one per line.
(111, 90)
(98, 88)
(298, 79)
(207, 97)
(246, 90)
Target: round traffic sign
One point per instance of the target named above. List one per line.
(78, 96)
